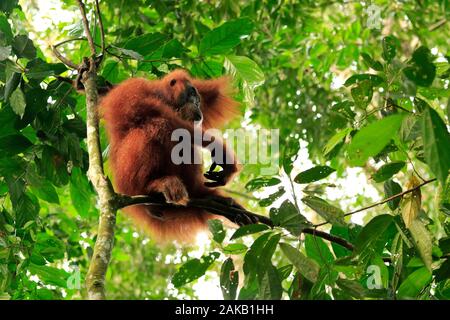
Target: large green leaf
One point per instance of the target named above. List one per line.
(314, 174)
(270, 284)
(392, 188)
(371, 139)
(246, 69)
(372, 233)
(307, 267)
(80, 192)
(422, 240)
(217, 230)
(330, 213)
(414, 283)
(436, 142)
(23, 47)
(225, 37)
(387, 170)
(193, 269)
(229, 280)
(14, 144)
(421, 70)
(17, 102)
(145, 44)
(261, 182)
(288, 217)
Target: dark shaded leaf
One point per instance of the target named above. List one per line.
(314, 174)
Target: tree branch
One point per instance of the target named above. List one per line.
(63, 59)
(395, 196)
(102, 30)
(87, 31)
(95, 278)
(219, 208)
(321, 234)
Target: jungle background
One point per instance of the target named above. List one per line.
(358, 90)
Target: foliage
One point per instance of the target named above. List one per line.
(347, 97)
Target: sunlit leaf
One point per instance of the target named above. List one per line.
(371, 139)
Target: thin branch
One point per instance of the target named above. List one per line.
(87, 31)
(69, 40)
(63, 59)
(321, 234)
(100, 23)
(401, 194)
(212, 205)
(95, 277)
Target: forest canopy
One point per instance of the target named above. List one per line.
(355, 95)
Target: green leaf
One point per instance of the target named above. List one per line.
(235, 248)
(49, 247)
(11, 84)
(128, 53)
(25, 204)
(229, 280)
(272, 197)
(390, 45)
(371, 63)
(370, 140)
(422, 241)
(193, 269)
(246, 69)
(372, 232)
(436, 142)
(217, 230)
(414, 283)
(248, 229)
(270, 285)
(335, 140)
(288, 217)
(392, 188)
(307, 267)
(145, 44)
(5, 52)
(362, 93)
(330, 213)
(17, 102)
(317, 249)
(23, 47)
(5, 29)
(14, 144)
(38, 69)
(265, 256)
(421, 70)
(251, 259)
(225, 37)
(8, 5)
(80, 192)
(374, 79)
(50, 275)
(387, 170)
(285, 271)
(44, 190)
(314, 174)
(261, 182)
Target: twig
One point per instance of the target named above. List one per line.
(321, 234)
(87, 31)
(100, 23)
(63, 59)
(401, 194)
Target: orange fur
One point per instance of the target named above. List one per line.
(139, 120)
